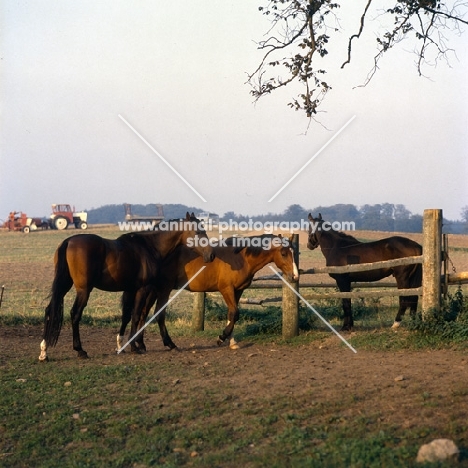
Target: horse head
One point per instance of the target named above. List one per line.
(315, 229)
(284, 259)
(194, 236)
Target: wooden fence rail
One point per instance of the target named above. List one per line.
(430, 289)
(357, 294)
(366, 266)
(457, 278)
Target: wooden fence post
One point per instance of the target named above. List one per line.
(198, 316)
(432, 249)
(290, 300)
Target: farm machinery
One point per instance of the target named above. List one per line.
(155, 219)
(63, 216)
(19, 221)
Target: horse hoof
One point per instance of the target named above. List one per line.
(234, 346)
(46, 359)
(220, 341)
(396, 325)
(82, 355)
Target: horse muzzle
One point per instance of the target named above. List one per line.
(312, 245)
(293, 277)
(208, 257)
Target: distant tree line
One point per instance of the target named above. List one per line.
(112, 214)
(380, 217)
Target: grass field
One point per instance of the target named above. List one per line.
(305, 402)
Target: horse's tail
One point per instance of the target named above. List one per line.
(61, 285)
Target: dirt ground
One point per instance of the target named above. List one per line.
(408, 389)
(423, 394)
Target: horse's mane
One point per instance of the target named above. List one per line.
(152, 232)
(138, 240)
(130, 237)
(345, 237)
(339, 235)
(250, 250)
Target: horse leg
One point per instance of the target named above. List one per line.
(167, 340)
(151, 296)
(413, 305)
(348, 322)
(232, 341)
(233, 315)
(81, 299)
(344, 285)
(138, 305)
(407, 277)
(128, 299)
(401, 311)
(163, 297)
(405, 302)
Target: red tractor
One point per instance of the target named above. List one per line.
(19, 221)
(63, 215)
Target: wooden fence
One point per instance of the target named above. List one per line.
(431, 289)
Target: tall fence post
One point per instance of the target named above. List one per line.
(290, 300)
(198, 316)
(432, 258)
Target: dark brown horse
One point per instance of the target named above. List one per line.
(342, 249)
(129, 263)
(230, 273)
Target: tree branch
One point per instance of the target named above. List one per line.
(300, 26)
(358, 35)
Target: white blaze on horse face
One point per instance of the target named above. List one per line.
(43, 355)
(295, 270)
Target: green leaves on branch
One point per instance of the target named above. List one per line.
(301, 35)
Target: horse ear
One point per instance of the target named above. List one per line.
(187, 216)
(310, 217)
(320, 216)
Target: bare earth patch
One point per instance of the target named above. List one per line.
(406, 388)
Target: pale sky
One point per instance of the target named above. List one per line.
(176, 72)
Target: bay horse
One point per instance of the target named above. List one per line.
(341, 249)
(230, 273)
(129, 263)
